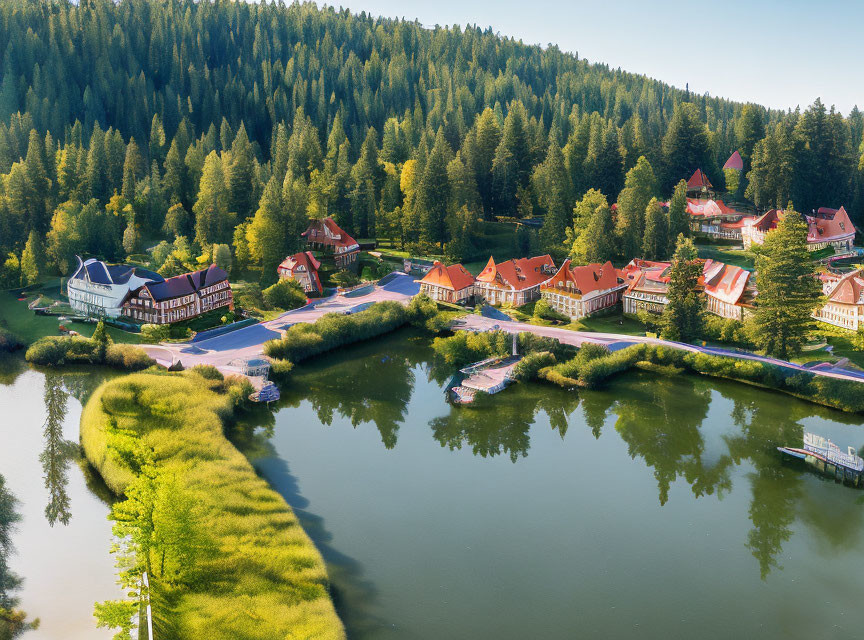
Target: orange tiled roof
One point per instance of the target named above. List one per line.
(454, 277)
(849, 289)
(326, 231)
(829, 224)
(521, 273)
(725, 282)
(586, 278)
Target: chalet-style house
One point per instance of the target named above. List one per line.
(98, 290)
(302, 267)
(329, 237)
(580, 291)
(699, 186)
(515, 282)
(180, 298)
(825, 228)
(728, 290)
(845, 305)
(448, 284)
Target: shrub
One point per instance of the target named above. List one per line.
(8, 341)
(543, 311)
(345, 278)
(207, 371)
(56, 351)
(127, 357)
(528, 367)
(285, 294)
(154, 333)
(280, 370)
(334, 330)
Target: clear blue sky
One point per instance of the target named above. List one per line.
(773, 52)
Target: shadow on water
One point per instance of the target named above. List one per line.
(251, 435)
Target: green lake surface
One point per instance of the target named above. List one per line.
(656, 508)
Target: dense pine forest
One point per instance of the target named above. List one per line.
(220, 128)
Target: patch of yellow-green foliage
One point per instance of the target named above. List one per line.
(226, 556)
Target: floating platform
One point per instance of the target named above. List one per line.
(267, 393)
(487, 376)
(828, 458)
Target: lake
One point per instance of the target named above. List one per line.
(63, 539)
(657, 508)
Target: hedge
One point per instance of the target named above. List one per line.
(592, 370)
(258, 575)
(55, 351)
(334, 330)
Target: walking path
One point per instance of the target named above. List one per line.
(248, 342)
(615, 341)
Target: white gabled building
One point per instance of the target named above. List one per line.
(98, 290)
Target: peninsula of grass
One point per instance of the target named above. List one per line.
(226, 556)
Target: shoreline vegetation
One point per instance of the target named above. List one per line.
(225, 554)
(593, 365)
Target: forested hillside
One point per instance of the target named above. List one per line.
(225, 123)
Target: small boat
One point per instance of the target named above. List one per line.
(827, 457)
(268, 393)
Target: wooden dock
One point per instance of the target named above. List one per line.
(828, 458)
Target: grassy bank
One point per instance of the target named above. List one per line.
(226, 555)
(594, 365)
(55, 351)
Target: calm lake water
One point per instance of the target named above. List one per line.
(657, 508)
(62, 541)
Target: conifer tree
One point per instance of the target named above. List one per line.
(32, 260)
(682, 317)
(655, 242)
(639, 187)
(788, 288)
(434, 193)
(679, 218)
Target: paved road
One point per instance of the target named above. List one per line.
(618, 341)
(248, 342)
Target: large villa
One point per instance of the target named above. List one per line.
(100, 290)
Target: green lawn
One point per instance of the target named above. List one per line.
(28, 327)
(617, 323)
(736, 257)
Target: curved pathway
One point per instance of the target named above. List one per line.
(248, 342)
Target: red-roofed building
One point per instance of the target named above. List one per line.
(714, 219)
(302, 267)
(580, 291)
(729, 290)
(734, 162)
(647, 283)
(845, 305)
(328, 236)
(826, 228)
(514, 282)
(699, 186)
(448, 284)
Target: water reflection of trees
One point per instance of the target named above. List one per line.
(12, 621)
(366, 387)
(660, 422)
(492, 427)
(57, 452)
